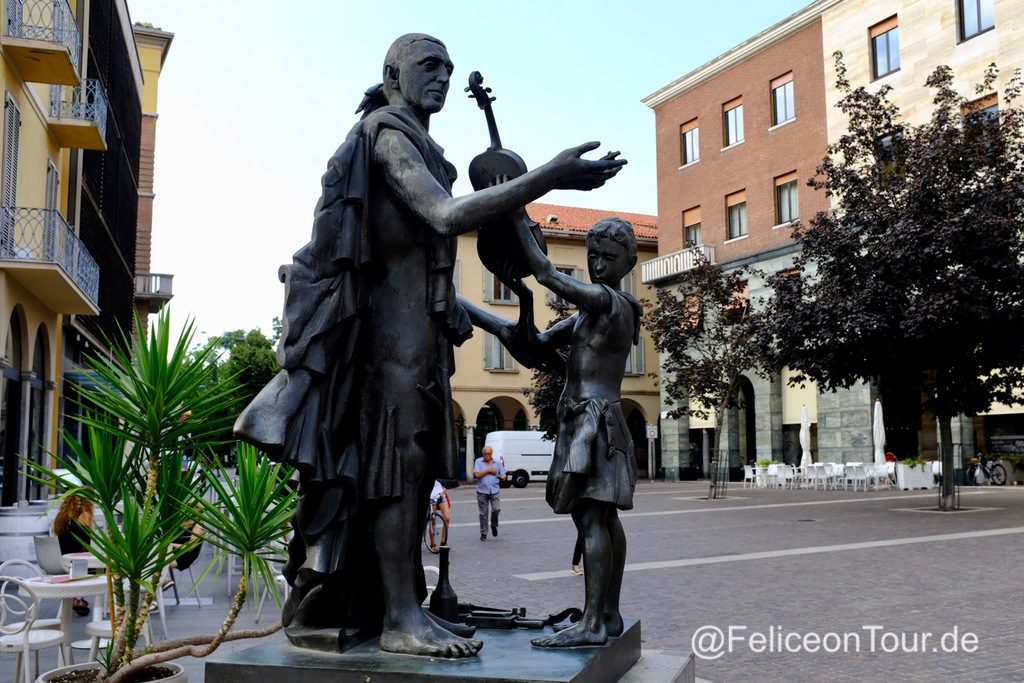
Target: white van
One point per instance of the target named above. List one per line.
(527, 455)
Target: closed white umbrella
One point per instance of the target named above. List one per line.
(878, 434)
(805, 437)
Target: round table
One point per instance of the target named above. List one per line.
(64, 588)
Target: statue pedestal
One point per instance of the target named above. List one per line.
(507, 656)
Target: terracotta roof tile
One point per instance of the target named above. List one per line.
(577, 220)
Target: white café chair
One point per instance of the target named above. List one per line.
(280, 584)
(100, 630)
(25, 569)
(878, 475)
(791, 478)
(760, 476)
(857, 475)
(18, 609)
(748, 476)
(834, 473)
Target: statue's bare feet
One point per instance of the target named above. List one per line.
(613, 624)
(577, 635)
(458, 629)
(419, 635)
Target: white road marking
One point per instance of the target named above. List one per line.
(730, 508)
(771, 554)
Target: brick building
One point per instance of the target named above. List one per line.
(738, 138)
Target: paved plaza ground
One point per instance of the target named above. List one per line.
(865, 575)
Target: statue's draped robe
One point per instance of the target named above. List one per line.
(311, 415)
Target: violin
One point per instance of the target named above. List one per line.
(497, 243)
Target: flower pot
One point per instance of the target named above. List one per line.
(178, 675)
(919, 477)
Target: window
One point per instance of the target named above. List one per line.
(737, 208)
(885, 47)
(976, 16)
(496, 356)
(627, 284)
(691, 227)
(983, 109)
(689, 142)
(787, 206)
(738, 305)
(576, 273)
(496, 292)
(635, 359)
(783, 106)
(732, 121)
(50, 240)
(12, 127)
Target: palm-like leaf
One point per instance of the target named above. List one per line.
(250, 518)
(158, 393)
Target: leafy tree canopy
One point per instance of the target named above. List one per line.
(920, 264)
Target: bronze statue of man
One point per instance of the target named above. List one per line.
(362, 406)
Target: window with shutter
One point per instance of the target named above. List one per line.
(635, 360)
(50, 240)
(496, 356)
(12, 125)
(496, 292)
(572, 272)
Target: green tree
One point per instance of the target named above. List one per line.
(244, 360)
(919, 267)
(706, 334)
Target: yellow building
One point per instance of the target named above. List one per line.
(70, 167)
(488, 384)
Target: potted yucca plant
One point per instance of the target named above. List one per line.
(152, 402)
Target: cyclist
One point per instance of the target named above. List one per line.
(441, 502)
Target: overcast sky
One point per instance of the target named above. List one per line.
(255, 97)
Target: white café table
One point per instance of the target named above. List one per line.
(66, 589)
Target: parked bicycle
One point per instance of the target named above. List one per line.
(980, 472)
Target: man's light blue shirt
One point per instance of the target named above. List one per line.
(489, 483)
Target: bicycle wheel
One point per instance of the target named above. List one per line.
(998, 473)
(432, 533)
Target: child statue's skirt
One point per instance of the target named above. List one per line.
(593, 456)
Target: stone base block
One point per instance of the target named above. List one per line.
(507, 657)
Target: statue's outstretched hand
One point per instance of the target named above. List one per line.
(576, 173)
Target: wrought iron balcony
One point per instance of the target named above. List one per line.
(43, 40)
(675, 263)
(41, 251)
(78, 115)
(154, 288)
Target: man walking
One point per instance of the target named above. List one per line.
(488, 475)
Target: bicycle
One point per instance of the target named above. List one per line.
(980, 472)
(435, 527)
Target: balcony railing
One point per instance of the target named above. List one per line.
(73, 106)
(153, 290)
(46, 21)
(675, 263)
(43, 235)
(154, 285)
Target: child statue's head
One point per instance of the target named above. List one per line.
(611, 250)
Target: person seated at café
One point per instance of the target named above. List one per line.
(70, 527)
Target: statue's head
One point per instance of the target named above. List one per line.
(611, 250)
(417, 71)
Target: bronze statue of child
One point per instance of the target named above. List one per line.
(593, 473)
